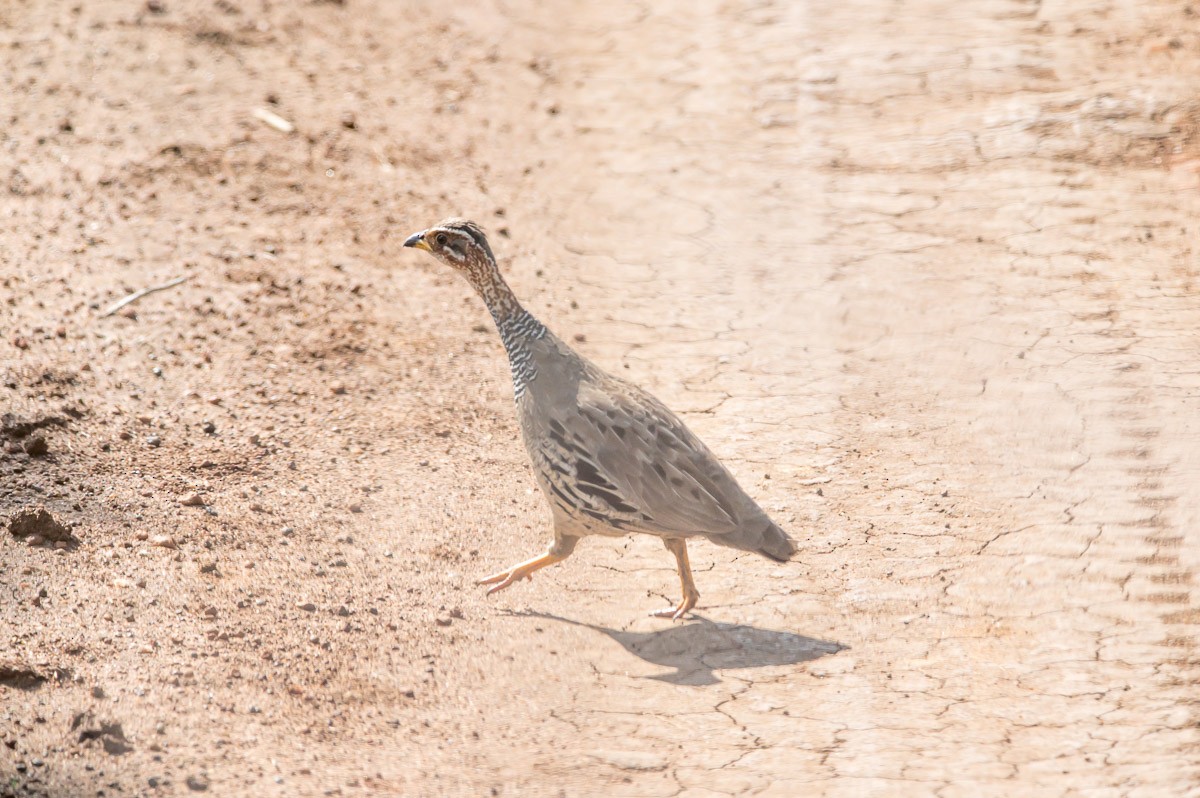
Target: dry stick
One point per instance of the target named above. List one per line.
(136, 295)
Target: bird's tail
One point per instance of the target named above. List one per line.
(776, 544)
(768, 540)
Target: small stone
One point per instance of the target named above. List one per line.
(443, 621)
(61, 545)
(257, 508)
(356, 508)
(209, 427)
(307, 606)
(121, 581)
(153, 441)
(210, 611)
(35, 540)
(208, 568)
(192, 500)
(198, 783)
(288, 531)
(338, 387)
(125, 436)
(36, 446)
(342, 612)
(164, 541)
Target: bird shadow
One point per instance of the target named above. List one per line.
(698, 648)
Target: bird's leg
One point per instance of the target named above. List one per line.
(678, 547)
(559, 551)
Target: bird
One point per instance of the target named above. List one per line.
(610, 458)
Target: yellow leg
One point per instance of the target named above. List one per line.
(691, 595)
(520, 571)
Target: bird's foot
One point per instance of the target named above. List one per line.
(503, 579)
(679, 610)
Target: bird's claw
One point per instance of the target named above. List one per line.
(504, 579)
(678, 611)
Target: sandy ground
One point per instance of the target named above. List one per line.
(923, 273)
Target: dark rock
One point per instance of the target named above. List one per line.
(38, 521)
(36, 446)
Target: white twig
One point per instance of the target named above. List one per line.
(274, 120)
(136, 295)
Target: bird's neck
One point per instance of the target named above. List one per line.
(517, 327)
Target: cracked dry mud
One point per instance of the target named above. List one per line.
(923, 273)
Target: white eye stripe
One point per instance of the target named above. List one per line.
(454, 253)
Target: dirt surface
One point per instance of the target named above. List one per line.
(923, 273)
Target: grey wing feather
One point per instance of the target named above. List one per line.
(656, 464)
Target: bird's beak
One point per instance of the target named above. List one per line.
(418, 240)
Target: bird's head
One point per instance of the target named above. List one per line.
(458, 243)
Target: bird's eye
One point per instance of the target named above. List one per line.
(441, 239)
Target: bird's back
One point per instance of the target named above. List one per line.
(612, 458)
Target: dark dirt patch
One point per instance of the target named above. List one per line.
(38, 521)
(20, 675)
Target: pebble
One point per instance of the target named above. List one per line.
(61, 545)
(307, 606)
(338, 388)
(121, 581)
(192, 500)
(153, 441)
(210, 611)
(209, 427)
(257, 508)
(164, 541)
(208, 568)
(356, 508)
(36, 446)
(35, 540)
(199, 782)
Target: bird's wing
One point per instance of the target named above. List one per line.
(635, 460)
